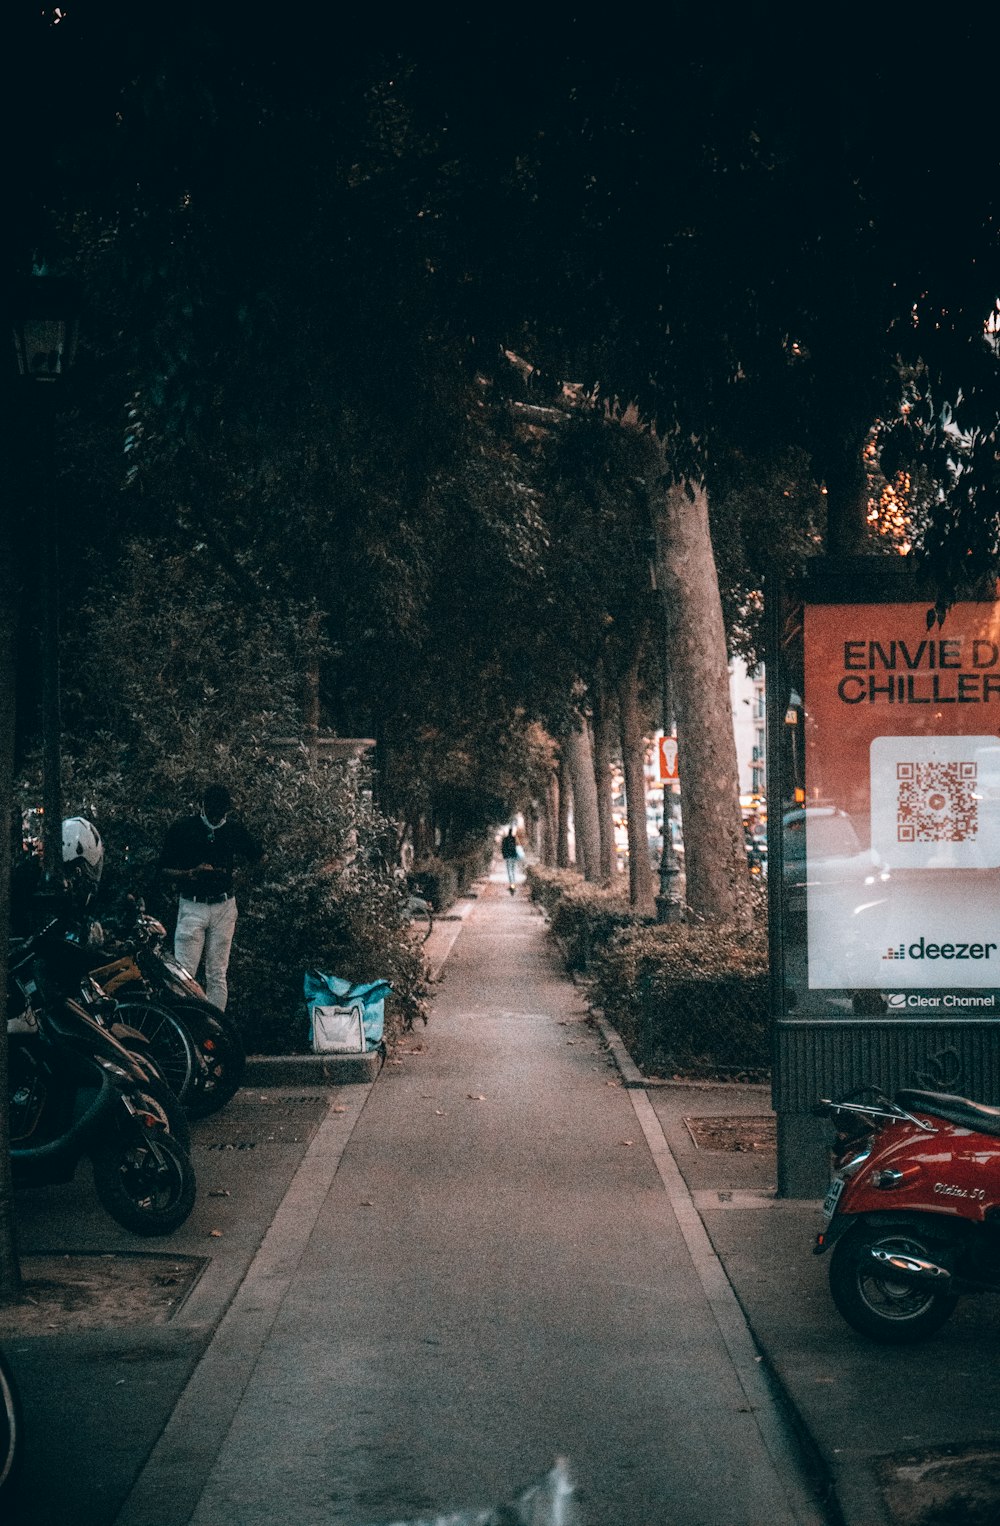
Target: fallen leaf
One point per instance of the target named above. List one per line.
(366, 1202)
(215, 1234)
(439, 1112)
(339, 1108)
(626, 1141)
(475, 1097)
(219, 1192)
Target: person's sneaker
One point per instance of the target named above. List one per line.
(511, 889)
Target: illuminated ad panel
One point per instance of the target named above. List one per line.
(900, 873)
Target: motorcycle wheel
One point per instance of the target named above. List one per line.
(167, 1037)
(146, 1185)
(875, 1303)
(11, 1430)
(220, 1059)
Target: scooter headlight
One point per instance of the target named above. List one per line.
(855, 1162)
(112, 1069)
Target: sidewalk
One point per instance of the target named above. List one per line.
(488, 1273)
(507, 1248)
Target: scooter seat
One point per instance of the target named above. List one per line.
(959, 1110)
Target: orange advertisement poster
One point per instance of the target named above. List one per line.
(902, 808)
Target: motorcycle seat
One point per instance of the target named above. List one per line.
(958, 1110)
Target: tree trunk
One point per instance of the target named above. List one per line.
(633, 742)
(565, 796)
(714, 854)
(585, 825)
(603, 742)
(550, 824)
(847, 496)
(10, 1271)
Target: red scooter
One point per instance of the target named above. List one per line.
(913, 1211)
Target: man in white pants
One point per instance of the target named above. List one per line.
(198, 858)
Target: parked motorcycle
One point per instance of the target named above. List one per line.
(75, 1090)
(913, 1210)
(154, 990)
(48, 967)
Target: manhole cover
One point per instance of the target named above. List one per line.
(943, 1487)
(243, 1125)
(749, 1134)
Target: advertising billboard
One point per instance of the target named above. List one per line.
(892, 859)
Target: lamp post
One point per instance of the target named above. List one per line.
(46, 320)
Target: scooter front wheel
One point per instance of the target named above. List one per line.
(147, 1185)
(892, 1309)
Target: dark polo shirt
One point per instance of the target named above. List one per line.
(190, 842)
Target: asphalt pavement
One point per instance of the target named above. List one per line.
(415, 1293)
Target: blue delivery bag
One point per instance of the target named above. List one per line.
(330, 990)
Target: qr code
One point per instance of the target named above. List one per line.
(936, 802)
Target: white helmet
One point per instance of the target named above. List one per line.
(82, 848)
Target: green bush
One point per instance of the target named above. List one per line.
(548, 886)
(165, 695)
(472, 864)
(688, 999)
(436, 879)
(583, 916)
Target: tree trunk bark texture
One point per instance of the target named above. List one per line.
(550, 824)
(603, 746)
(714, 853)
(633, 743)
(565, 792)
(585, 824)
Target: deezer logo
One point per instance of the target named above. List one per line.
(924, 950)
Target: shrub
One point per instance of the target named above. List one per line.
(163, 696)
(436, 879)
(548, 886)
(690, 999)
(472, 863)
(583, 916)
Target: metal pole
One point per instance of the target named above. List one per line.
(52, 882)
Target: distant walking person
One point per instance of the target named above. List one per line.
(511, 854)
(197, 857)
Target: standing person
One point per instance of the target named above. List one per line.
(510, 856)
(197, 857)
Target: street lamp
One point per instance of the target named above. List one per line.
(46, 320)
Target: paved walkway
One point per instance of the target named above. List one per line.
(495, 1264)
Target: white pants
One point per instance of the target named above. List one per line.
(206, 929)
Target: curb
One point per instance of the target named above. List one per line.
(816, 1498)
(312, 1069)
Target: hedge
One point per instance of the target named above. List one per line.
(687, 999)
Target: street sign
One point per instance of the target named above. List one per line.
(666, 756)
